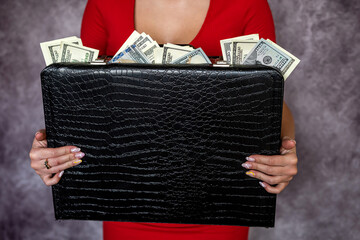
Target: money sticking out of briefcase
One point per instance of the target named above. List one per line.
(163, 143)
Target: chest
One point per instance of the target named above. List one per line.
(160, 23)
(170, 21)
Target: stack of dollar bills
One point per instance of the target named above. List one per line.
(68, 49)
(141, 48)
(250, 50)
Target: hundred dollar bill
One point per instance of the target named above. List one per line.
(130, 54)
(131, 39)
(123, 57)
(226, 45)
(195, 57)
(296, 62)
(74, 53)
(143, 43)
(178, 46)
(51, 49)
(172, 52)
(268, 53)
(149, 51)
(137, 55)
(240, 49)
(146, 45)
(158, 53)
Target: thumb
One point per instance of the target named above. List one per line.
(40, 139)
(40, 135)
(288, 143)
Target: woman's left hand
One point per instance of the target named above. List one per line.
(276, 170)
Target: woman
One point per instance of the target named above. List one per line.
(203, 23)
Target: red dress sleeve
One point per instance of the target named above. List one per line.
(260, 20)
(93, 29)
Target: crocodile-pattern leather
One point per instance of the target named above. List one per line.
(163, 144)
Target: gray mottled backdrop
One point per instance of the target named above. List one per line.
(323, 200)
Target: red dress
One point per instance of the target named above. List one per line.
(107, 24)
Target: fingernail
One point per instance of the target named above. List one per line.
(262, 184)
(246, 165)
(61, 173)
(75, 150)
(78, 161)
(284, 152)
(79, 155)
(293, 141)
(250, 159)
(250, 173)
(37, 133)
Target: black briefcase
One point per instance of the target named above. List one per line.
(163, 143)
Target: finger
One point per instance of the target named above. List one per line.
(269, 179)
(38, 154)
(53, 162)
(274, 189)
(40, 135)
(49, 181)
(268, 169)
(61, 167)
(284, 151)
(43, 153)
(275, 160)
(65, 158)
(40, 139)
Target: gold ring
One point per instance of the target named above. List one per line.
(46, 163)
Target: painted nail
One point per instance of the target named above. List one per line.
(250, 159)
(79, 155)
(246, 165)
(78, 161)
(61, 173)
(250, 173)
(262, 184)
(75, 150)
(284, 152)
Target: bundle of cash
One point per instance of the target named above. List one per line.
(250, 50)
(141, 48)
(242, 50)
(68, 49)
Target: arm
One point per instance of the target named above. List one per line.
(93, 35)
(277, 170)
(287, 123)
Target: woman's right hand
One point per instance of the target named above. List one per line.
(58, 158)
